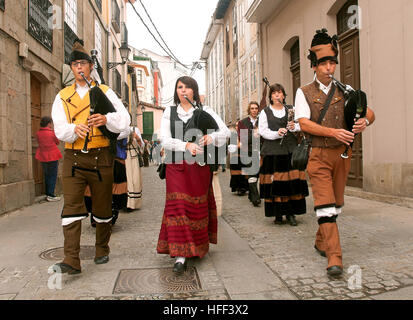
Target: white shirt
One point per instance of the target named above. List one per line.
(263, 129)
(117, 122)
(253, 121)
(219, 137)
(138, 132)
(302, 109)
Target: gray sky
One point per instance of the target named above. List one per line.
(183, 25)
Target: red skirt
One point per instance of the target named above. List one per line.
(189, 221)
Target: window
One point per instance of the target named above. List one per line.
(295, 66)
(234, 33)
(98, 40)
(38, 26)
(244, 75)
(2, 5)
(99, 5)
(344, 21)
(254, 72)
(236, 93)
(71, 14)
(140, 77)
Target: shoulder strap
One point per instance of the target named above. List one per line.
(325, 107)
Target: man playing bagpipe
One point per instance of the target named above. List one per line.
(327, 169)
(84, 118)
(249, 149)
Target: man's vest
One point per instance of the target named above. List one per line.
(77, 111)
(334, 117)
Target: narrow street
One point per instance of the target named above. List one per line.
(254, 258)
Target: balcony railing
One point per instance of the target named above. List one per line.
(99, 5)
(124, 35)
(115, 16)
(70, 37)
(38, 22)
(2, 5)
(117, 83)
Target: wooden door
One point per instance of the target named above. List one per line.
(349, 59)
(35, 90)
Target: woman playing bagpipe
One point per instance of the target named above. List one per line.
(283, 187)
(189, 221)
(88, 117)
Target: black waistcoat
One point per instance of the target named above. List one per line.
(274, 147)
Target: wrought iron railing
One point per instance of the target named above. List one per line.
(99, 5)
(117, 83)
(70, 37)
(38, 22)
(2, 5)
(115, 16)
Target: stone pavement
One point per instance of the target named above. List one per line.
(254, 258)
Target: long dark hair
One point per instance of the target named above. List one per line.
(190, 83)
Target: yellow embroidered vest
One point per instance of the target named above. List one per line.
(77, 111)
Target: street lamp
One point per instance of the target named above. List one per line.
(124, 51)
(142, 109)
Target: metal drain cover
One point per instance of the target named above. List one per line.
(160, 280)
(86, 253)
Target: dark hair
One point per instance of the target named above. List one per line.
(275, 88)
(190, 83)
(45, 121)
(250, 104)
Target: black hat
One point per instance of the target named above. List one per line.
(79, 52)
(323, 47)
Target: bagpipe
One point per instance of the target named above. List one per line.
(205, 123)
(355, 107)
(99, 103)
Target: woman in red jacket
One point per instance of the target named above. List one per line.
(48, 154)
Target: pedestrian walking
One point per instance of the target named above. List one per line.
(249, 148)
(329, 135)
(283, 187)
(88, 159)
(146, 153)
(48, 154)
(189, 221)
(134, 162)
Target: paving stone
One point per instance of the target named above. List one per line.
(390, 283)
(307, 281)
(321, 286)
(373, 285)
(356, 295)
(338, 284)
(292, 283)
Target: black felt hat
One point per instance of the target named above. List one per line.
(323, 47)
(79, 52)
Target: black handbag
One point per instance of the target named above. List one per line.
(162, 170)
(299, 157)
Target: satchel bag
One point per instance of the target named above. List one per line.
(299, 157)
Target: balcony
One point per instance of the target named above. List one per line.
(99, 5)
(126, 94)
(2, 5)
(115, 16)
(117, 82)
(38, 22)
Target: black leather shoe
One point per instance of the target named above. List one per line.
(278, 220)
(257, 203)
(321, 252)
(102, 260)
(291, 220)
(334, 271)
(65, 268)
(179, 267)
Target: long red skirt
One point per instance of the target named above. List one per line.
(189, 221)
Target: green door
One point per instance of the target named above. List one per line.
(147, 125)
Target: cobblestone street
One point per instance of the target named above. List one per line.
(280, 261)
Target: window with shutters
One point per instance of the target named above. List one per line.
(71, 14)
(98, 40)
(147, 125)
(38, 26)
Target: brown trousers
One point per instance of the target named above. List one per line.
(79, 170)
(328, 176)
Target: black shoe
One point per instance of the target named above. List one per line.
(179, 267)
(115, 215)
(278, 220)
(102, 260)
(291, 220)
(257, 203)
(62, 267)
(334, 271)
(92, 221)
(321, 252)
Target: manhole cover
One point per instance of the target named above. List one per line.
(86, 253)
(160, 280)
